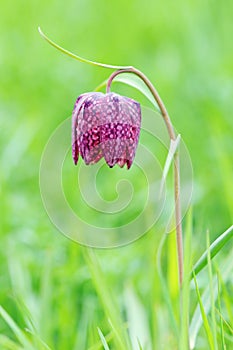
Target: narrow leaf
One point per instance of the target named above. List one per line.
(184, 326)
(226, 323)
(221, 321)
(137, 319)
(45, 346)
(212, 299)
(107, 299)
(15, 329)
(215, 247)
(140, 347)
(204, 317)
(8, 344)
(109, 337)
(196, 322)
(172, 150)
(166, 294)
(79, 58)
(135, 82)
(226, 297)
(103, 340)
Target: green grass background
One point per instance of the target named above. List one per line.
(185, 48)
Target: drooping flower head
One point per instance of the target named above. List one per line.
(105, 125)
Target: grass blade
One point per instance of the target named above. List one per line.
(8, 344)
(214, 248)
(137, 319)
(204, 317)
(15, 329)
(223, 344)
(140, 347)
(226, 324)
(107, 299)
(184, 330)
(166, 295)
(98, 346)
(212, 299)
(227, 300)
(109, 337)
(196, 322)
(40, 341)
(103, 340)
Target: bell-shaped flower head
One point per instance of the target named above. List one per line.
(105, 125)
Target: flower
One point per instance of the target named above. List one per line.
(105, 125)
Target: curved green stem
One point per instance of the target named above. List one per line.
(172, 135)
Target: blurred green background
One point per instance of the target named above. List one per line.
(185, 48)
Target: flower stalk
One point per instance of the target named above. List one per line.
(172, 135)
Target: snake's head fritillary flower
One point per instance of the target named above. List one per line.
(105, 125)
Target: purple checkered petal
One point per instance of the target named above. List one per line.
(105, 125)
(77, 113)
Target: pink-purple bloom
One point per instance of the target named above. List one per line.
(105, 125)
